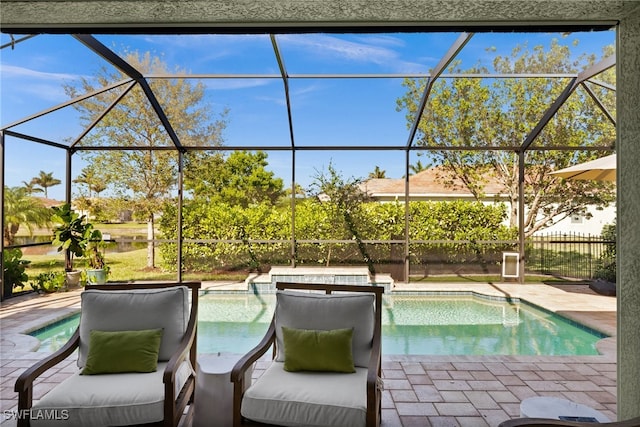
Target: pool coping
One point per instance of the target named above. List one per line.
(19, 339)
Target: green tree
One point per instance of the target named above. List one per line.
(44, 180)
(471, 112)
(343, 199)
(146, 176)
(20, 209)
(241, 178)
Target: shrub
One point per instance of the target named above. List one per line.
(235, 230)
(607, 265)
(14, 274)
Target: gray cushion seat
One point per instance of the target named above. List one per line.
(315, 398)
(307, 398)
(108, 400)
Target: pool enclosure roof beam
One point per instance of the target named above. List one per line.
(285, 82)
(437, 71)
(14, 42)
(598, 103)
(33, 139)
(363, 76)
(115, 60)
(592, 71)
(67, 103)
(101, 115)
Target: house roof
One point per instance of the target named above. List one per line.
(432, 183)
(47, 203)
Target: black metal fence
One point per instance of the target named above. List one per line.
(571, 255)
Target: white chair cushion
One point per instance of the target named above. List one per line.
(307, 398)
(107, 400)
(135, 309)
(304, 310)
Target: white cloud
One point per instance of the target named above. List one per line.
(23, 86)
(299, 96)
(338, 48)
(209, 47)
(11, 71)
(378, 50)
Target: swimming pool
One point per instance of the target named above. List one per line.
(411, 324)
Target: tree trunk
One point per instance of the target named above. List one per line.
(513, 219)
(151, 261)
(9, 234)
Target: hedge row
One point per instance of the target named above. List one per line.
(442, 221)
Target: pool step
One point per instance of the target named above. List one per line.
(333, 275)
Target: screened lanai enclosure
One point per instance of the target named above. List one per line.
(214, 153)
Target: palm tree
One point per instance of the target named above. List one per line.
(92, 180)
(45, 180)
(98, 187)
(21, 209)
(417, 167)
(378, 173)
(31, 188)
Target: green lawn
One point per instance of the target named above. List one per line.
(131, 265)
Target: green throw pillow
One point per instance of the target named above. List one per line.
(122, 351)
(310, 350)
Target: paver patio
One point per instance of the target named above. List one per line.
(419, 390)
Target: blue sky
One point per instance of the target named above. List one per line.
(325, 111)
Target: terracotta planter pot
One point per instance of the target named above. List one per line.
(73, 279)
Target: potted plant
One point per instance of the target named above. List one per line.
(71, 235)
(98, 270)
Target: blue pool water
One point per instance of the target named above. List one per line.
(411, 324)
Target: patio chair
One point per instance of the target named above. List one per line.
(543, 422)
(326, 361)
(136, 351)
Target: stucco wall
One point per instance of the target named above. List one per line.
(628, 275)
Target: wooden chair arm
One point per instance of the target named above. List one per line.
(237, 373)
(26, 379)
(373, 385)
(542, 422)
(184, 349)
(374, 362)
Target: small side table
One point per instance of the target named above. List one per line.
(554, 408)
(213, 399)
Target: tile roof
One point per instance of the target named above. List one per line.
(430, 182)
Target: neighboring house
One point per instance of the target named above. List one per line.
(49, 203)
(429, 185)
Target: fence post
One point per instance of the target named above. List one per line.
(590, 260)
